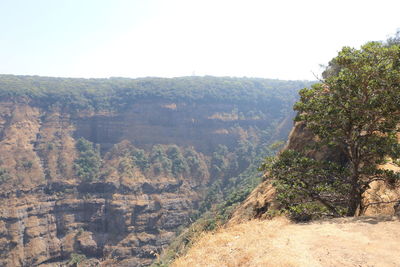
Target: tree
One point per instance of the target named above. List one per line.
(307, 188)
(87, 165)
(219, 162)
(140, 159)
(356, 109)
(179, 165)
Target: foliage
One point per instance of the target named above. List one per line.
(196, 164)
(179, 165)
(118, 93)
(244, 175)
(140, 159)
(307, 188)
(225, 193)
(160, 162)
(75, 259)
(356, 110)
(4, 175)
(88, 163)
(219, 162)
(168, 160)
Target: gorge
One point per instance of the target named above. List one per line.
(108, 170)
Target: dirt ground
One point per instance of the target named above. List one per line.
(363, 241)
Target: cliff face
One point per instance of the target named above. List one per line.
(48, 215)
(127, 225)
(202, 125)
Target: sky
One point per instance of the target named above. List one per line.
(279, 39)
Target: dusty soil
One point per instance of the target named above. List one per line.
(363, 241)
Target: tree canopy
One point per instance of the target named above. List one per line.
(118, 93)
(356, 109)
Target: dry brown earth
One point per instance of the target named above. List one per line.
(361, 242)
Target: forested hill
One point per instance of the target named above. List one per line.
(118, 93)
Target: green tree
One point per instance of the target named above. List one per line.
(179, 165)
(88, 163)
(307, 188)
(356, 109)
(219, 162)
(196, 164)
(140, 159)
(160, 161)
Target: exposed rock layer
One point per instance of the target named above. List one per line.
(125, 225)
(48, 215)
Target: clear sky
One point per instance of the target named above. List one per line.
(168, 38)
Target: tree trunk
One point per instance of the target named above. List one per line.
(355, 200)
(355, 191)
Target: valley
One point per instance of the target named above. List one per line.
(113, 185)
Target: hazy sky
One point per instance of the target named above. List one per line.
(169, 38)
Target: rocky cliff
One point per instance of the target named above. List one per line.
(49, 216)
(47, 213)
(202, 125)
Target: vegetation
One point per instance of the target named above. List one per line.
(354, 110)
(87, 165)
(117, 93)
(75, 259)
(179, 164)
(4, 175)
(140, 159)
(225, 193)
(168, 160)
(307, 188)
(241, 174)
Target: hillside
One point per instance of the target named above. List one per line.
(363, 241)
(341, 160)
(109, 170)
(251, 238)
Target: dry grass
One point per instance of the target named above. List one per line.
(345, 242)
(240, 245)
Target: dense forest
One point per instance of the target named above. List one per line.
(118, 93)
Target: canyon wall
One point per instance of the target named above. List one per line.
(49, 216)
(202, 125)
